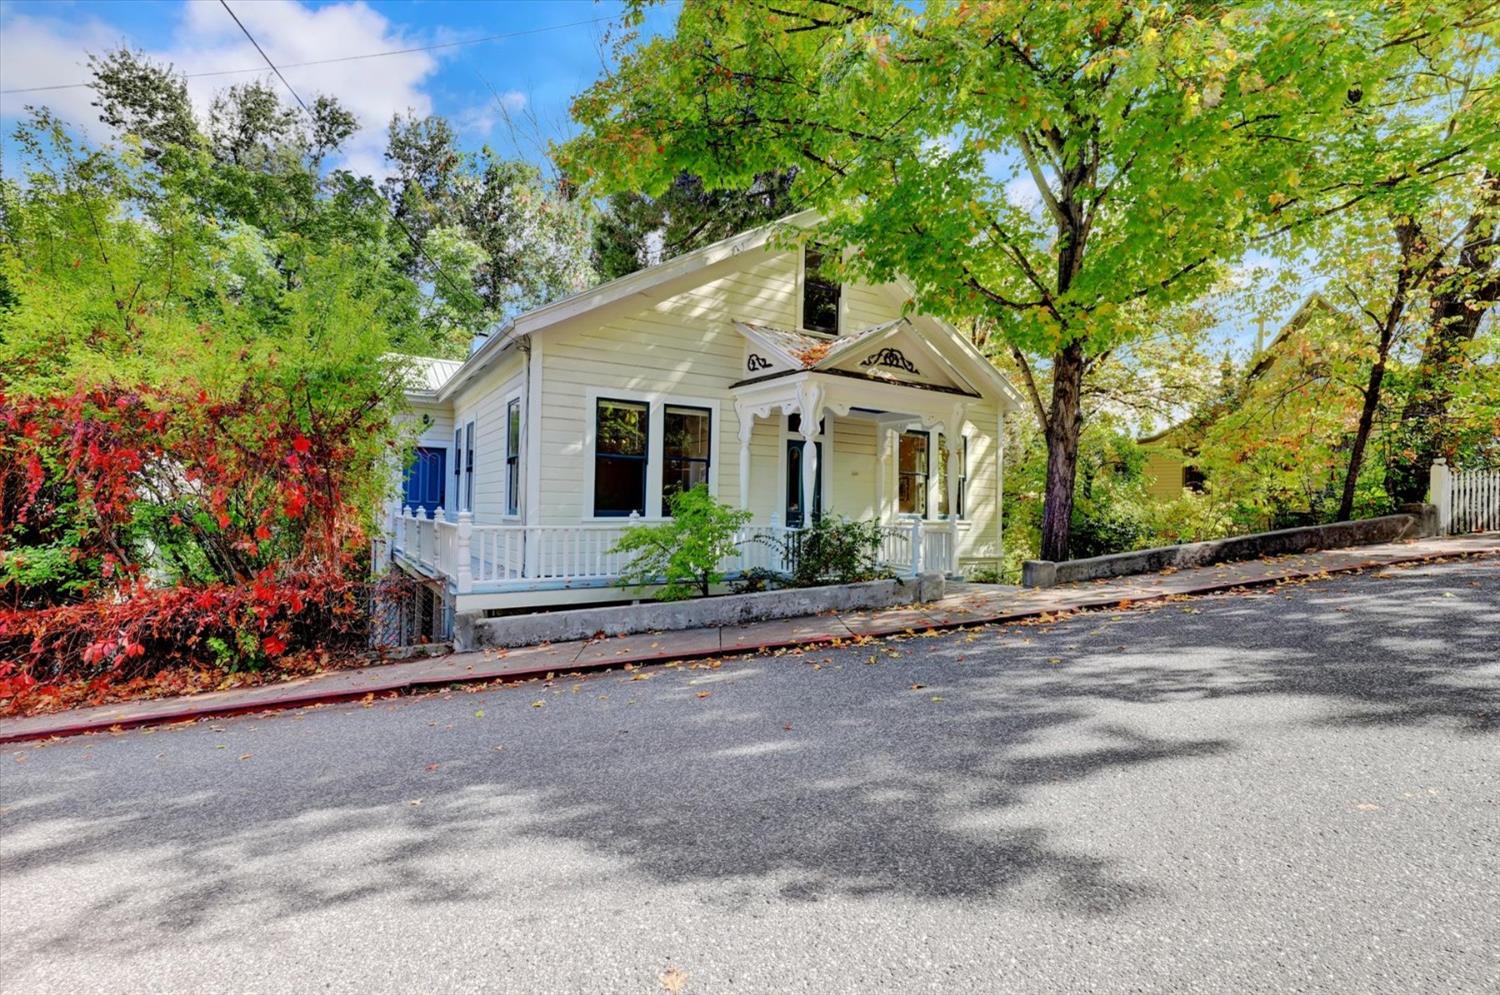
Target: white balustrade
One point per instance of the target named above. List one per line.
(473, 555)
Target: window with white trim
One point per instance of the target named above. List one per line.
(941, 457)
(911, 465)
(513, 457)
(687, 441)
(468, 498)
(820, 293)
(621, 457)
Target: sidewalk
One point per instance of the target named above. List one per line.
(968, 604)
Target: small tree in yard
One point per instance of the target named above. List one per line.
(683, 554)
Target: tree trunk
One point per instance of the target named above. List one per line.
(1457, 309)
(1362, 435)
(1409, 237)
(1064, 424)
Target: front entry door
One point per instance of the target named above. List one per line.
(426, 479)
(794, 516)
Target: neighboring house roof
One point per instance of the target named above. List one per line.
(1195, 424)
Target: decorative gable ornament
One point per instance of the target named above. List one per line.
(892, 357)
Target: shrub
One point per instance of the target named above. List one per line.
(683, 555)
(110, 642)
(832, 550)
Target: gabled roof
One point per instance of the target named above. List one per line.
(964, 359)
(801, 350)
(638, 284)
(1313, 306)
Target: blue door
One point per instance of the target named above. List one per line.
(425, 479)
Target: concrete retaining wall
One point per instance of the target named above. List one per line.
(699, 613)
(1415, 521)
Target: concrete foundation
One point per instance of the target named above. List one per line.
(1415, 521)
(471, 632)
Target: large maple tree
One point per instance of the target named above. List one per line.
(1061, 169)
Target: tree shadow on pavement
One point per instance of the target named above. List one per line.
(915, 770)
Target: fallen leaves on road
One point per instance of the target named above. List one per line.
(918, 687)
(673, 980)
(704, 694)
(246, 756)
(538, 704)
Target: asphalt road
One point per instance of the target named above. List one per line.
(1290, 791)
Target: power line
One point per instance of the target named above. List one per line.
(342, 58)
(263, 55)
(416, 246)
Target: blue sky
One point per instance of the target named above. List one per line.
(557, 48)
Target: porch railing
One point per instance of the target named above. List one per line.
(467, 553)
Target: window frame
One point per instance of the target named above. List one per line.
(802, 289)
(644, 459)
(655, 446)
(940, 475)
(667, 458)
(513, 456)
(925, 473)
(458, 467)
(467, 498)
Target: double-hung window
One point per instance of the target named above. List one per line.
(911, 489)
(513, 457)
(686, 439)
(468, 504)
(621, 457)
(458, 468)
(820, 294)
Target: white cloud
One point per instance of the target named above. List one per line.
(45, 52)
(42, 51)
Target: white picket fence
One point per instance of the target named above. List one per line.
(1466, 500)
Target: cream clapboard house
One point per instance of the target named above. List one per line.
(735, 366)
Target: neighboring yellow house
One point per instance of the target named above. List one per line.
(1169, 469)
(735, 366)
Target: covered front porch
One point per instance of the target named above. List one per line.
(882, 425)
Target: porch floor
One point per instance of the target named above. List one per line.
(968, 604)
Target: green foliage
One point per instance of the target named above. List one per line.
(1153, 144)
(495, 237)
(836, 550)
(636, 230)
(683, 554)
(832, 550)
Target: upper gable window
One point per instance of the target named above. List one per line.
(820, 294)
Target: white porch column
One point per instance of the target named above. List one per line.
(810, 401)
(885, 448)
(464, 569)
(747, 429)
(954, 438)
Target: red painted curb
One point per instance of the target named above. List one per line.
(314, 697)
